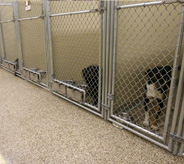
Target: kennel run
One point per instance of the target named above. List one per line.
(121, 60)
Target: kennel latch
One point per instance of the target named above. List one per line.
(177, 138)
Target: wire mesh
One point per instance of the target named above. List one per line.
(146, 43)
(10, 41)
(6, 13)
(32, 37)
(76, 47)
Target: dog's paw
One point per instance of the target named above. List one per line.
(146, 123)
(154, 127)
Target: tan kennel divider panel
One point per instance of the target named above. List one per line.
(77, 51)
(147, 35)
(9, 47)
(32, 34)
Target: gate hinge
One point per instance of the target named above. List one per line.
(101, 10)
(106, 107)
(110, 96)
(177, 138)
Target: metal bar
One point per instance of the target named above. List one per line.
(46, 38)
(144, 4)
(107, 69)
(33, 82)
(51, 64)
(104, 56)
(6, 69)
(31, 18)
(178, 98)
(30, 70)
(7, 21)
(105, 61)
(68, 85)
(10, 62)
(91, 106)
(110, 53)
(115, 53)
(18, 34)
(137, 128)
(6, 3)
(82, 106)
(173, 81)
(75, 12)
(2, 42)
(100, 57)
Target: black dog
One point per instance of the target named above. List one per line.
(91, 77)
(157, 86)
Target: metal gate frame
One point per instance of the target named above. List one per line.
(160, 141)
(4, 62)
(21, 56)
(177, 133)
(102, 56)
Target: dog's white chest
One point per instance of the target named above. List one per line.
(152, 92)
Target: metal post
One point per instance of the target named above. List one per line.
(18, 34)
(50, 65)
(104, 58)
(114, 51)
(45, 27)
(178, 100)
(111, 53)
(100, 3)
(173, 83)
(48, 42)
(2, 42)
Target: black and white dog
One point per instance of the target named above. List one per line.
(157, 87)
(91, 77)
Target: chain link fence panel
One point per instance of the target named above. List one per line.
(33, 40)
(76, 50)
(146, 45)
(9, 33)
(33, 47)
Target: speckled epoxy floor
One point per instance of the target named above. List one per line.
(37, 127)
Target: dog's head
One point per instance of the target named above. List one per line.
(159, 76)
(90, 74)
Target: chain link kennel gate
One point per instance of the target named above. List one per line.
(77, 53)
(9, 49)
(34, 64)
(148, 42)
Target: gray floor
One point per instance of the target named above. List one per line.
(37, 127)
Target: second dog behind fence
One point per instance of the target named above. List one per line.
(157, 87)
(91, 77)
